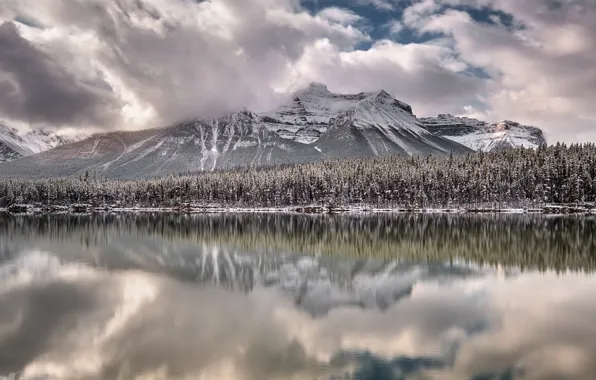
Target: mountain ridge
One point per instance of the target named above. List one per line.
(15, 144)
(484, 136)
(314, 125)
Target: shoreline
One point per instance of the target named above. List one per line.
(314, 210)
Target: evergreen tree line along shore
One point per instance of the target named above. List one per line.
(515, 178)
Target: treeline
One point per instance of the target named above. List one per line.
(556, 174)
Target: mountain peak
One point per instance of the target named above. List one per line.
(314, 88)
(317, 86)
(384, 94)
(384, 97)
(506, 124)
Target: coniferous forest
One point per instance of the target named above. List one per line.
(513, 178)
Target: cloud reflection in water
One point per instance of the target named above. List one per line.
(129, 324)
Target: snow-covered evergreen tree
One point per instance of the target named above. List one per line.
(511, 178)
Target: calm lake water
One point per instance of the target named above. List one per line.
(261, 296)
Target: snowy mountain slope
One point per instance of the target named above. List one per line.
(7, 153)
(315, 125)
(231, 141)
(344, 125)
(15, 144)
(308, 115)
(482, 136)
(379, 125)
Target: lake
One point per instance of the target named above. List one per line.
(273, 296)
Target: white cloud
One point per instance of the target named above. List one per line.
(415, 15)
(169, 60)
(424, 75)
(385, 5)
(160, 61)
(340, 15)
(178, 59)
(394, 27)
(543, 74)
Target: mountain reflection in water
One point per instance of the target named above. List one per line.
(273, 297)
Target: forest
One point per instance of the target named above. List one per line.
(515, 178)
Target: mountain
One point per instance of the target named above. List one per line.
(479, 135)
(314, 125)
(361, 125)
(234, 140)
(15, 144)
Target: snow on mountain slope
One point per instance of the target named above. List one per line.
(311, 111)
(12, 144)
(364, 124)
(379, 125)
(231, 141)
(315, 125)
(15, 144)
(481, 136)
(7, 153)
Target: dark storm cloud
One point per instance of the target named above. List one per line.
(36, 88)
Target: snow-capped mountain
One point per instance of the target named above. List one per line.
(314, 125)
(308, 115)
(231, 141)
(365, 124)
(482, 136)
(15, 144)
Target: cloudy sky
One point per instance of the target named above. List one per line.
(124, 64)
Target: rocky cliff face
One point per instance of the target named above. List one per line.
(482, 136)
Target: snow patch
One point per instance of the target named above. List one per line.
(34, 141)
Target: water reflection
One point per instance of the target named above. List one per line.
(525, 241)
(173, 297)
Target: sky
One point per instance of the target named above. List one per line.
(131, 64)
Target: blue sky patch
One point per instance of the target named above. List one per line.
(29, 22)
(377, 23)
